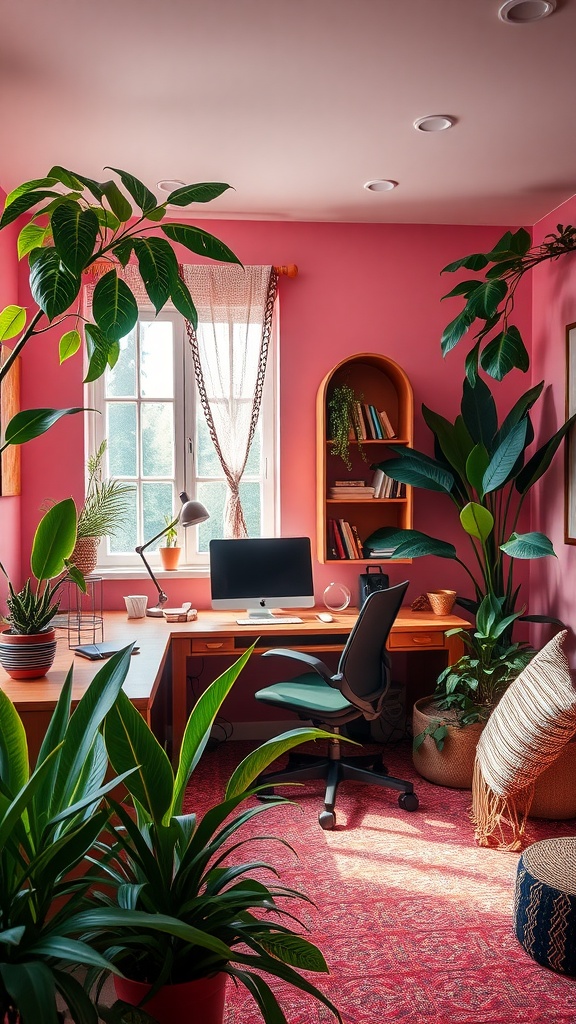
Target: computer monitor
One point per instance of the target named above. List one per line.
(261, 573)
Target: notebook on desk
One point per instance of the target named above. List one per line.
(97, 652)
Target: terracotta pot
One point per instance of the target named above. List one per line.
(170, 557)
(454, 764)
(27, 656)
(441, 601)
(196, 1002)
(85, 554)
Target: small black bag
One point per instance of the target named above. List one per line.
(371, 580)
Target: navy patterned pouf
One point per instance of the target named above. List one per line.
(545, 903)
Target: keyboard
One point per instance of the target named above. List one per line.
(289, 620)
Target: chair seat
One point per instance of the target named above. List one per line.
(305, 693)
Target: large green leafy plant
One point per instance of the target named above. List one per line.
(165, 861)
(485, 469)
(74, 222)
(50, 818)
(489, 300)
(31, 609)
(469, 690)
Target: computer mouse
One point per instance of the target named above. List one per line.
(325, 617)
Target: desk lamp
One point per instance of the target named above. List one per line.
(191, 513)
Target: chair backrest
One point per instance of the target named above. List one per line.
(363, 675)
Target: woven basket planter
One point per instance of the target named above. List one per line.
(454, 764)
(85, 554)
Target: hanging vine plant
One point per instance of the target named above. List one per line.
(344, 421)
(492, 299)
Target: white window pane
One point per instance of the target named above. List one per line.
(156, 359)
(254, 455)
(125, 539)
(207, 459)
(157, 502)
(157, 439)
(121, 380)
(121, 433)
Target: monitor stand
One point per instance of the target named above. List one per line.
(259, 614)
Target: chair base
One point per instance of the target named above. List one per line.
(367, 768)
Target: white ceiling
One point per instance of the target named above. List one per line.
(298, 103)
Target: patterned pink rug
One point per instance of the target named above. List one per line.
(413, 919)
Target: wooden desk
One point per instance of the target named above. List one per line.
(165, 647)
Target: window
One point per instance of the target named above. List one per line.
(158, 440)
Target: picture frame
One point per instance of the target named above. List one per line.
(570, 447)
(10, 483)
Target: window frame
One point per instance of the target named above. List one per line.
(186, 403)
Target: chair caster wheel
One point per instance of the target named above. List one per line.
(408, 801)
(327, 820)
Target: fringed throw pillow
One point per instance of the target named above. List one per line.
(524, 734)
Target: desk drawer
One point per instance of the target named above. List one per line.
(409, 641)
(219, 645)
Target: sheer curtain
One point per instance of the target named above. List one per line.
(235, 307)
(230, 348)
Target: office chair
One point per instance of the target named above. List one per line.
(357, 689)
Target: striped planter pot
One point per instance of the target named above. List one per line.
(27, 656)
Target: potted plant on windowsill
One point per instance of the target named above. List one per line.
(28, 644)
(105, 509)
(169, 552)
(163, 860)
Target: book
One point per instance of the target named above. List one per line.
(97, 652)
(359, 544)
(347, 538)
(359, 420)
(378, 432)
(332, 549)
(378, 482)
(349, 483)
(388, 428)
(351, 493)
(338, 540)
(370, 431)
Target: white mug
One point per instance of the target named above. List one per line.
(136, 605)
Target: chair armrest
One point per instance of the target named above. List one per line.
(302, 656)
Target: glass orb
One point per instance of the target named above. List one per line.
(336, 597)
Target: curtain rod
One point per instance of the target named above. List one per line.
(100, 267)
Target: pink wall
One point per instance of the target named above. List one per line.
(554, 306)
(360, 288)
(9, 507)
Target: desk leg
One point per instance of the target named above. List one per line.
(455, 648)
(180, 652)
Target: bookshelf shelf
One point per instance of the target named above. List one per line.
(381, 383)
(365, 501)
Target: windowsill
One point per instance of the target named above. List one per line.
(133, 572)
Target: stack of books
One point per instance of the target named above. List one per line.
(350, 490)
(343, 540)
(385, 487)
(371, 424)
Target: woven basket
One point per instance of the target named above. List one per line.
(454, 764)
(85, 554)
(441, 601)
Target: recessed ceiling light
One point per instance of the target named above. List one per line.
(519, 12)
(380, 185)
(434, 123)
(169, 184)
